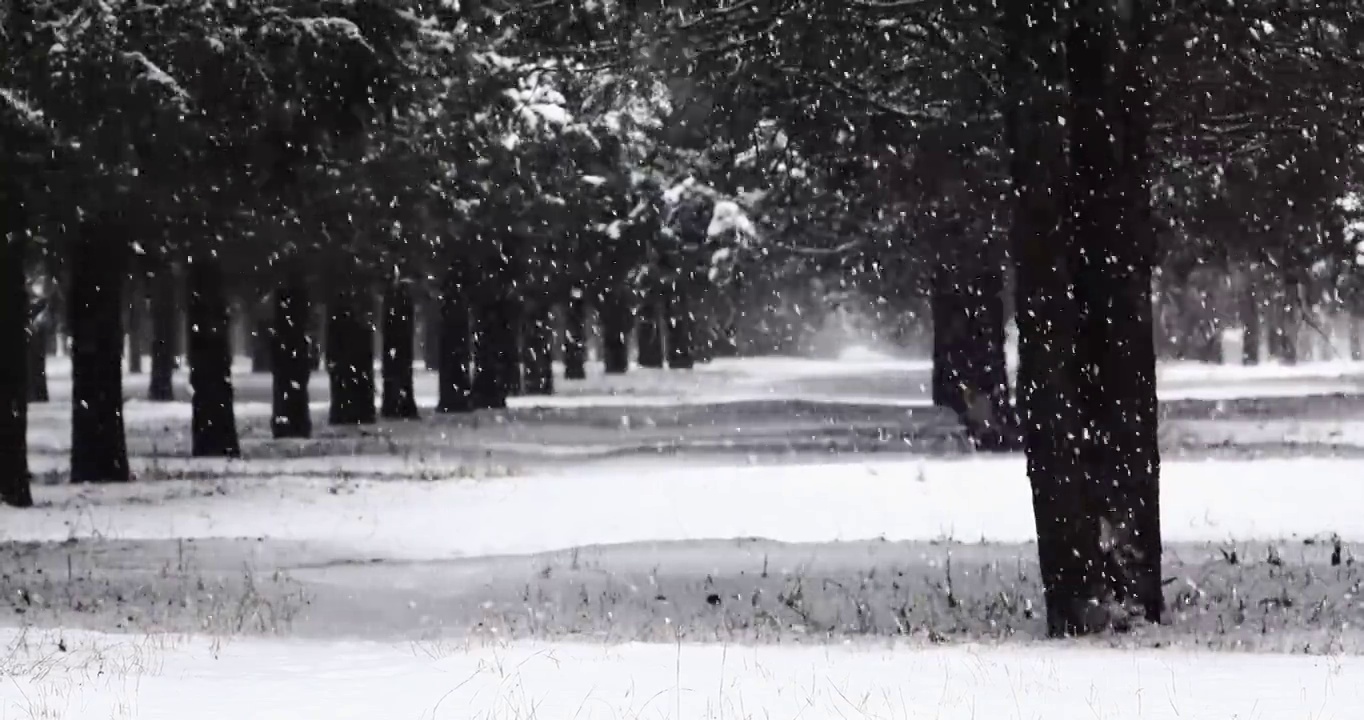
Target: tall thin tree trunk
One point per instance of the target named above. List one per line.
(99, 450)
(291, 367)
(165, 335)
(213, 425)
(137, 342)
(399, 397)
(455, 394)
(575, 338)
(40, 337)
(649, 333)
(14, 349)
(350, 360)
(538, 355)
(1251, 333)
(613, 313)
(430, 333)
(681, 324)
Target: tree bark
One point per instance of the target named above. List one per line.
(430, 333)
(970, 373)
(399, 398)
(137, 342)
(40, 337)
(613, 313)
(575, 338)
(455, 342)
(1251, 333)
(262, 345)
(165, 335)
(350, 360)
(649, 333)
(213, 425)
(291, 366)
(99, 451)
(681, 324)
(15, 341)
(497, 368)
(538, 355)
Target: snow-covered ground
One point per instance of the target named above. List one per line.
(624, 509)
(100, 676)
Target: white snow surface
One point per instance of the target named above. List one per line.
(109, 676)
(965, 500)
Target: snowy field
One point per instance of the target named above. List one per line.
(757, 538)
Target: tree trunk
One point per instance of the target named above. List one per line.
(137, 342)
(970, 373)
(681, 325)
(497, 370)
(1251, 334)
(1291, 325)
(350, 360)
(430, 333)
(291, 366)
(649, 333)
(613, 313)
(399, 400)
(1068, 542)
(213, 425)
(262, 345)
(99, 451)
(575, 338)
(538, 355)
(40, 331)
(455, 394)
(15, 341)
(165, 335)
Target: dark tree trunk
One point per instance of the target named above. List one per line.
(14, 339)
(291, 366)
(399, 398)
(99, 451)
(970, 373)
(1068, 541)
(681, 325)
(165, 335)
(430, 333)
(350, 360)
(1290, 324)
(262, 345)
(37, 362)
(1251, 332)
(613, 312)
(497, 367)
(649, 333)
(137, 341)
(575, 338)
(213, 427)
(455, 394)
(538, 355)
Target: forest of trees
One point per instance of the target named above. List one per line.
(494, 181)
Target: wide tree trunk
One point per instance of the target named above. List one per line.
(14, 350)
(455, 343)
(165, 335)
(291, 366)
(213, 424)
(615, 318)
(538, 350)
(497, 367)
(350, 359)
(399, 397)
(681, 324)
(649, 333)
(575, 338)
(99, 450)
(137, 341)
